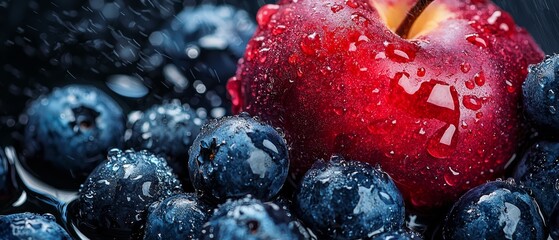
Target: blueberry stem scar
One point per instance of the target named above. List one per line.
(414, 13)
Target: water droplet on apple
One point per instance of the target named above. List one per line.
(360, 20)
(510, 87)
(352, 3)
(311, 43)
(293, 59)
(400, 54)
(421, 72)
(470, 84)
(443, 143)
(479, 78)
(279, 29)
(336, 8)
(476, 40)
(452, 177)
(479, 115)
(265, 14)
(339, 111)
(465, 67)
(472, 102)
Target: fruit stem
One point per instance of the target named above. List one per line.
(414, 13)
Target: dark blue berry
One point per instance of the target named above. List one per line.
(114, 200)
(252, 219)
(178, 217)
(538, 171)
(69, 132)
(400, 234)
(541, 94)
(26, 226)
(236, 156)
(495, 210)
(553, 223)
(168, 129)
(349, 200)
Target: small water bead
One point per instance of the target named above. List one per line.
(465, 67)
(311, 43)
(421, 72)
(479, 78)
(472, 102)
(265, 14)
(336, 8)
(476, 40)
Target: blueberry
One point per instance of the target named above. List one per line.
(553, 223)
(31, 226)
(168, 129)
(349, 200)
(400, 234)
(114, 200)
(541, 94)
(178, 217)
(495, 210)
(538, 170)
(236, 156)
(204, 43)
(69, 132)
(252, 219)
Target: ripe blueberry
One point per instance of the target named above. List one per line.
(236, 156)
(348, 200)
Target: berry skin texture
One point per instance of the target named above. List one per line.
(168, 129)
(69, 132)
(251, 219)
(349, 200)
(495, 210)
(238, 155)
(538, 171)
(114, 200)
(23, 226)
(178, 217)
(439, 111)
(541, 94)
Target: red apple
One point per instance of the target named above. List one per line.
(436, 105)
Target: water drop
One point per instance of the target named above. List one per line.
(336, 8)
(476, 40)
(421, 72)
(443, 143)
(472, 102)
(265, 14)
(479, 78)
(465, 67)
(311, 43)
(352, 3)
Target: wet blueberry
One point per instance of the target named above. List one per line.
(400, 234)
(553, 223)
(495, 210)
(204, 43)
(178, 217)
(348, 200)
(252, 219)
(69, 132)
(538, 171)
(31, 226)
(541, 94)
(236, 156)
(168, 129)
(114, 200)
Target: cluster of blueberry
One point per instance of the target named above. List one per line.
(187, 177)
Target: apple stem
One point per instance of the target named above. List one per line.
(414, 13)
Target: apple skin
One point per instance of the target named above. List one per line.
(439, 113)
